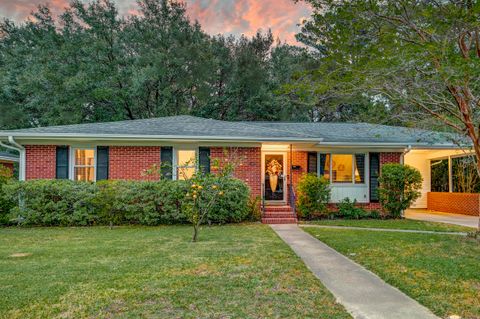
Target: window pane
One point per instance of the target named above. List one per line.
(186, 158)
(185, 173)
(85, 157)
(464, 175)
(325, 165)
(84, 174)
(342, 168)
(439, 175)
(359, 168)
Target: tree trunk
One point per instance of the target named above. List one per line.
(195, 233)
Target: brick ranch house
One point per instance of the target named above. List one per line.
(274, 155)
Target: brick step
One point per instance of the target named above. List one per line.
(279, 215)
(278, 209)
(291, 220)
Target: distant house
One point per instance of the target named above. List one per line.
(8, 160)
(274, 154)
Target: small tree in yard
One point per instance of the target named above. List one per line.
(313, 196)
(399, 188)
(204, 190)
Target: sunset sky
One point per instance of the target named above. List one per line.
(216, 16)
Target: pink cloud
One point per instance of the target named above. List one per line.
(216, 16)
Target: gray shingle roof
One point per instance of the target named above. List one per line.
(364, 133)
(183, 127)
(173, 126)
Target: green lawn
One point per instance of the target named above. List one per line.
(233, 272)
(394, 224)
(442, 272)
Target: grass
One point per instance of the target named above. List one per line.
(407, 224)
(440, 271)
(129, 272)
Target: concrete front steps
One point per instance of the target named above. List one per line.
(279, 215)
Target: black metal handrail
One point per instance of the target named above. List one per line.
(263, 199)
(293, 199)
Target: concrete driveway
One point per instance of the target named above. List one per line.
(432, 216)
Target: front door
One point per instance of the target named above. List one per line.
(274, 177)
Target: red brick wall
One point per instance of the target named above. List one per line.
(250, 167)
(456, 203)
(393, 157)
(298, 159)
(41, 161)
(128, 162)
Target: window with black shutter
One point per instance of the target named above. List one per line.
(102, 162)
(204, 159)
(166, 159)
(312, 163)
(62, 160)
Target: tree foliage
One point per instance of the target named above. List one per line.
(90, 64)
(420, 56)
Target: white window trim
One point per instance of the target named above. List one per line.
(175, 159)
(71, 162)
(352, 183)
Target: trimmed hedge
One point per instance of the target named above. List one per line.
(69, 203)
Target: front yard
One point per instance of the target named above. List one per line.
(441, 272)
(241, 271)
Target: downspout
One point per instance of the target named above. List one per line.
(402, 161)
(407, 150)
(17, 147)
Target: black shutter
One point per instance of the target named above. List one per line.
(102, 162)
(166, 162)
(61, 171)
(360, 165)
(312, 162)
(374, 174)
(204, 159)
(323, 160)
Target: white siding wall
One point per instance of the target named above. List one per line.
(420, 161)
(354, 192)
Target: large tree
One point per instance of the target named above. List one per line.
(91, 64)
(421, 54)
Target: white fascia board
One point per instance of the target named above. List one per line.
(156, 137)
(390, 145)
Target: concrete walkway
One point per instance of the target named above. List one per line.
(388, 230)
(431, 216)
(362, 293)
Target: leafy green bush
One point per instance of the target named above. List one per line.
(254, 210)
(52, 203)
(349, 210)
(69, 203)
(232, 207)
(313, 196)
(5, 203)
(399, 188)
